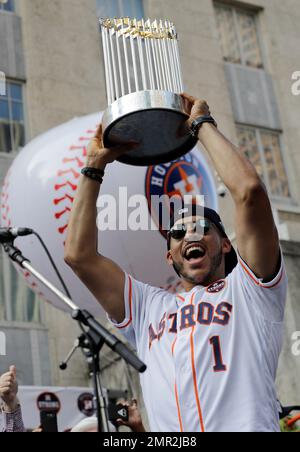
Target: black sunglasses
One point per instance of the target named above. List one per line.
(178, 232)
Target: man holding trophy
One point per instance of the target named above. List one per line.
(211, 352)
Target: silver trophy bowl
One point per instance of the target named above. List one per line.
(154, 119)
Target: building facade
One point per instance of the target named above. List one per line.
(241, 56)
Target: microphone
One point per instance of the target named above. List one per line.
(8, 235)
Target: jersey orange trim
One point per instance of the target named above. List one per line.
(248, 273)
(176, 393)
(258, 283)
(276, 284)
(173, 345)
(195, 374)
(130, 306)
(178, 409)
(180, 297)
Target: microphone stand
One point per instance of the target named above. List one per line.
(91, 341)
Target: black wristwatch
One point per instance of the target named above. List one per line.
(195, 127)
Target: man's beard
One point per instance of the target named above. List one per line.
(206, 279)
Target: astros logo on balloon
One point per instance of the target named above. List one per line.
(187, 176)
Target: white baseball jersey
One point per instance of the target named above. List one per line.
(212, 353)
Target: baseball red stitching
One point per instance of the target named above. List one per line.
(68, 176)
(5, 209)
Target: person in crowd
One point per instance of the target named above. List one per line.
(10, 406)
(135, 423)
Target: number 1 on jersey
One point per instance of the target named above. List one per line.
(216, 344)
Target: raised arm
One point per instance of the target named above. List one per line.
(257, 236)
(103, 277)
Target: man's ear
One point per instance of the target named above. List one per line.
(226, 246)
(170, 258)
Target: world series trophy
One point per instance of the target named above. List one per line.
(143, 82)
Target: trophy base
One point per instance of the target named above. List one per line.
(154, 119)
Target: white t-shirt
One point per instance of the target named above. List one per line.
(211, 354)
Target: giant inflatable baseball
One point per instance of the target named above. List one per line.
(39, 190)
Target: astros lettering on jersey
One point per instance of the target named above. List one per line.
(212, 353)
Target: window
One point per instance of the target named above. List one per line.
(120, 8)
(7, 5)
(238, 35)
(12, 131)
(17, 302)
(263, 148)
